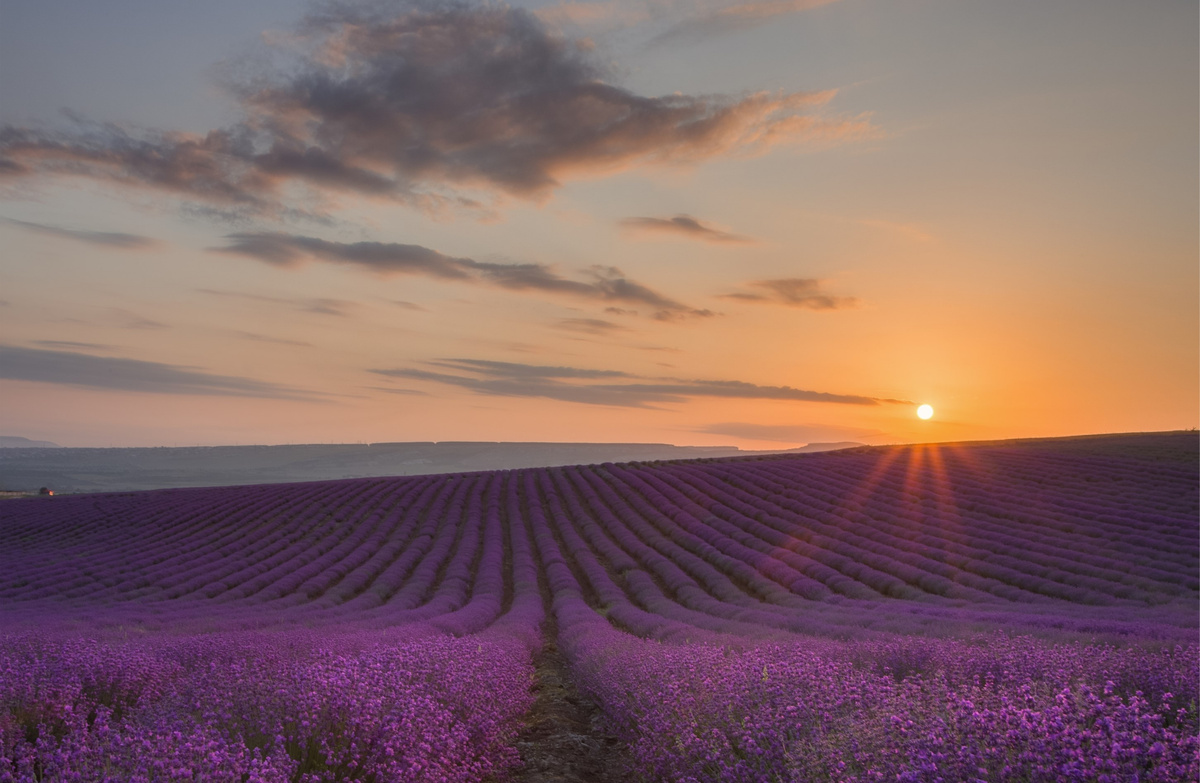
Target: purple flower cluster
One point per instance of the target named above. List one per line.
(329, 706)
(990, 709)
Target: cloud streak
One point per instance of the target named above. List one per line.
(592, 326)
(263, 338)
(684, 226)
(600, 283)
(423, 103)
(69, 368)
(801, 292)
(790, 433)
(73, 344)
(601, 387)
(111, 239)
(342, 308)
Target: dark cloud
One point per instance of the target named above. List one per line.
(684, 226)
(604, 283)
(101, 238)
(96, 372)
(733, 18)
(71, 344)
(596, 387)
(790, 433)
(407, 305)
(804, 292)
(417, 102)
(289, 250)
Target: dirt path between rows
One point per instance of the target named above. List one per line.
(564, 740)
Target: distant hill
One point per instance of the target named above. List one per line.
(120, 469)
(15, 442)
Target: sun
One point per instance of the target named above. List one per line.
(925, 412)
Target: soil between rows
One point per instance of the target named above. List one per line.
(564, 740)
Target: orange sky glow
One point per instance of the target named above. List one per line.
(699, 223)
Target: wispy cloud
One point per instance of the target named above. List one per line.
(100, 238)
(684, 226)
(424, 103)
(128, 319)
(802, 292)
(592, 326)
(290, 250)
(71, 368)
(601, 283)
(790, 433)
(738, 17)
(601, 387)
(342, 308)
(402, 392)
(263, 338)
(70, 344)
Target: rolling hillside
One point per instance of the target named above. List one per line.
(902, 557)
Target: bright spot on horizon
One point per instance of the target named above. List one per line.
(925, 412)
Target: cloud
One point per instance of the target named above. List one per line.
(403, 392)
(72, 344)
(593, 326)
(601, 387)
(95, 372)
(130, 320)
(602, 283)
(100, 238)
(790, 433)
(343, 308)
(739, 17)
(803, 292)
(262, 338)
(422, 103)
(288, 250)
(517, 370)
(684, 226)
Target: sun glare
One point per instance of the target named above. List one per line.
(925, 412)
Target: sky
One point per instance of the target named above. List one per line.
(698, 222)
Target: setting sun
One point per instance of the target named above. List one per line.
(925, 412)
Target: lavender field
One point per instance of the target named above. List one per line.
(1014, 611)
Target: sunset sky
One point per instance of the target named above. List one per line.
(759, 224)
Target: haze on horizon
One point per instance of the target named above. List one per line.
(679, 221)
